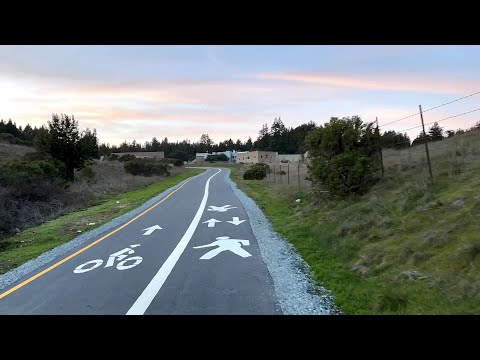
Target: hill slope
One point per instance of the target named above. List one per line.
(407, 246)
(9, 152)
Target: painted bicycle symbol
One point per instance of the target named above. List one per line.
(124, 262)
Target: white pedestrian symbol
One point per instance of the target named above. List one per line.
(221, 208)
(120, 256)
(225, 243)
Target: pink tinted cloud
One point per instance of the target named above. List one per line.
(440, 84)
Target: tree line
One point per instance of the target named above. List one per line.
(26, 135)
(184, 150)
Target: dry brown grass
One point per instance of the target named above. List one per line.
(110, 177)
(10, 152)
(451, 155)
(93, 184)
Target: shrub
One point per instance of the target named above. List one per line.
(262, 166)
(178, 154)
(31, 179)
(282, 173)
(344, 156)
(345, 174)
(18, 213)
(168, 160)
(178, 163)
(37, 155)
(113, 157)
(126, 157)
(255, 173)
(88, 173)
(30, 192)
(146, 167)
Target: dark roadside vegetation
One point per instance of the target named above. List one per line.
(54, 170)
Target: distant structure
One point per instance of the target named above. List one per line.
(257, 156)
(291, 158)
(232, 155)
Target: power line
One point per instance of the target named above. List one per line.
(450, 117)
(436, 107)
(451, 102)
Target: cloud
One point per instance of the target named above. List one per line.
(396, 82)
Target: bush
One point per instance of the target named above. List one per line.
(126, 157)
(112, 157)
(255, 173)
(19, 213)
(344, 156)
(33, 180)
(146, 167)
(87, 173)
(37, 155)
(263, 166)
(178, 154)
(30, 192)
(178, 163)
(168, 160)
(348, 173)
(282, 172)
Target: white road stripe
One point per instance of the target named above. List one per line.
(152, 289)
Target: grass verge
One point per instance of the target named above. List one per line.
(403, 248)
(34, 241)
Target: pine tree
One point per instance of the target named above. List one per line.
(435, 132)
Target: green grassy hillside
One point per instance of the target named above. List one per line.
(406, 247)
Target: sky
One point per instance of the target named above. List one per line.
(180, 92)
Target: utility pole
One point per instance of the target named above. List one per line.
(426, 144)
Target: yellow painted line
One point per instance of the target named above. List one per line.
(90, 245)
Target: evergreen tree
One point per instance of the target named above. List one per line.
(435, 132)
(65, 143)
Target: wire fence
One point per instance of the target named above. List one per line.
(292, 174)
(427, 143)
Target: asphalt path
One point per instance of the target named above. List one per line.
(193, 252)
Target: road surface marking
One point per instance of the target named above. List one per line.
(22, 284)
(211, 222)
(235, 221)
(224, 243)
(221, 208)
(118, 256)
(151, 229)
(81, 268)
(145, 299)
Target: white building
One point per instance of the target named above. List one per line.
(232, 155)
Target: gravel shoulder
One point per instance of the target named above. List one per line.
(296, 292)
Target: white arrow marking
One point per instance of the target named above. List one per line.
(235, 221)
(151, 229)
(211, 222)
